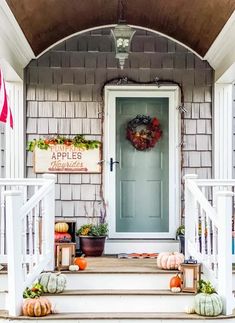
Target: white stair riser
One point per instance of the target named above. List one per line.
(112, 281)
(116, 247)
(120, 321)
(121, 303)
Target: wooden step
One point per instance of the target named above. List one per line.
(120, 316)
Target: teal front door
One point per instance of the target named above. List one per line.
(142, 187)
(142, 177)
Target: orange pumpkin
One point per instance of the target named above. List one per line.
(175, 281)
(81, 263)
(36, 307)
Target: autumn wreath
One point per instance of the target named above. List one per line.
(146, 138)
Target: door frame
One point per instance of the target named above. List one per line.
(121, 91)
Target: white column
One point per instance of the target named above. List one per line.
(15, 148)
(224, 211)
(14, 202)
(223, 131)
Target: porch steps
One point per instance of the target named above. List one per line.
(117, 317)
(115, 290)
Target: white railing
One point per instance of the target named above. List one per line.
(27, 233)
(209, 206)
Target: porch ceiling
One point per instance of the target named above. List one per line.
(195, 23)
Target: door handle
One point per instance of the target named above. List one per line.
(112, 162)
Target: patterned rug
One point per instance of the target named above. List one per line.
(137, 255)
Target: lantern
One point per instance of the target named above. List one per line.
(122, 35)
(190, 276)
(65, 253)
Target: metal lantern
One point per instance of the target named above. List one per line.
(122, 35)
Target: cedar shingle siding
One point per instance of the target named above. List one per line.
(63, 97)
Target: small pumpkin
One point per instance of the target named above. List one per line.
(60, 236)
(170, 260)
(36, 307)
(73, 268)
(175, 281)
(208, 304)
(80, 262)
(175, 289)
(61, 227)
(52, 283)
(189, 310)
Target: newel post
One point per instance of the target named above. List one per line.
(190, 213)
(14, 202)
(224, 211)
(49, 224)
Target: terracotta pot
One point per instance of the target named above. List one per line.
(92, 246)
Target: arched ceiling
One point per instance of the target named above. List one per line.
(195, 23)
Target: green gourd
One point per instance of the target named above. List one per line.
(208, 304)
(53, 283)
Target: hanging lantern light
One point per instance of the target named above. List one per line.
(122, 34)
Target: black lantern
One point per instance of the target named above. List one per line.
(122, 34)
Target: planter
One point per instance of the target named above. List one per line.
(182, 243)
(92, 246)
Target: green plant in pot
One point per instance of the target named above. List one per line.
(92, 236)
(207, 302)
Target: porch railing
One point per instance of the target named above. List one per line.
(209, 224)
(27, 233)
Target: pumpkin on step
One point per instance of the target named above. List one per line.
(175, 282)
(62, 237)
(207, 302)
(61, 227)
(170, 260)
(52, 283)
(36, 307)
(80, 262)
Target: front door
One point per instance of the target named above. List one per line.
(140, 180)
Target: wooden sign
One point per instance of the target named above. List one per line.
(66, 159)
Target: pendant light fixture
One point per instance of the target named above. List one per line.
(122, 34)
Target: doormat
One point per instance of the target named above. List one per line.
(137, 255)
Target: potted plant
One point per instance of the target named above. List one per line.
(92, 238)
(180, 235)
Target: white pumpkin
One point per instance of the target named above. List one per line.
(73, 267)
(175, 289)
(208, 304)
(170, 260)
(52, 283)
(189, 310)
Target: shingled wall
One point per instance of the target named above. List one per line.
(63, 97)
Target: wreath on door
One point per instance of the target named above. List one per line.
(144, 138)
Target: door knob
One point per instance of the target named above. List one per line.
(112, 162)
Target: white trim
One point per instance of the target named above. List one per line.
(14, 45)
(221, 54)
(223, 131)
(170, 92)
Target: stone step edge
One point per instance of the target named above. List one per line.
(116, 315)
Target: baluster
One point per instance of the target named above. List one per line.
(24, 236)
(36, 230)
(215, 250)
(208, 230)
(43, 228)
(196, 227)
(203, 231)
(30, 234)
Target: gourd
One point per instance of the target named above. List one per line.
(170, 260)
(175, 289)
(73, 267)
(175, 282)
(53, 283)
(36, 307)
(60, 236)
(189, 310)
(61, 227)
(208, 304)
(80, 262)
